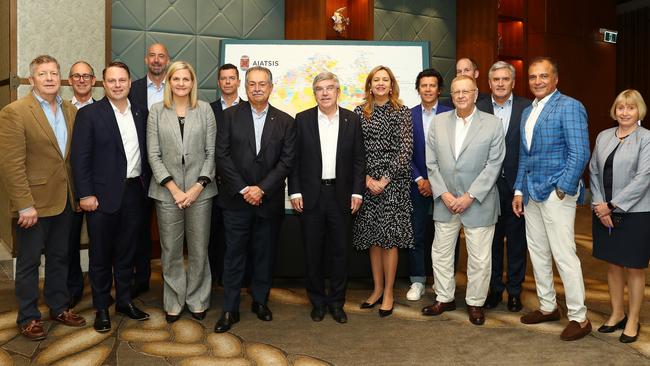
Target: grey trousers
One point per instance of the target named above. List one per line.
(191, 287)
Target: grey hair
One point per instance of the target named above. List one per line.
(325, 75)
(501, 65)
(260, 68)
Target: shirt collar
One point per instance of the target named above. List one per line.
(544, 100)
(116, 110)
(41, 101)
(433, 109)
(74, 101)
(224, 105)
(506, 104)
(150, 82)
(468, 118)
(262, 114)
(323, 115)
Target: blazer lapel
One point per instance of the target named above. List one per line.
(69, 121)
(267, 131)
(548, 107)
(344, 125)
(245, 115)
(108, 116)
(473, 131)
(42, 121)
(516, 110)
(171, 121)
(190, 116)
(315, 132)
(451, 130)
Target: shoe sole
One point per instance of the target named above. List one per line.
(35, 338)
(102, 330)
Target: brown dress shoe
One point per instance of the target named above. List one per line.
(476, 315)
(70, 319)
(33, 330)
(438, 308)
(537, 316)
(574, 331)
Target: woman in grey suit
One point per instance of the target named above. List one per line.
(181, 134)
(620, 187)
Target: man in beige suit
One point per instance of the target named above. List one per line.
(35, 134)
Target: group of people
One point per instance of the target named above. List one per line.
(367, 178)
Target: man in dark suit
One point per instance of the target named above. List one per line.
(429, 84)
(326, 186)
(35, 134)
(111, 175)
(228, 81)
(143, 94)
(82, 79)
(255, 152)
(508, 108)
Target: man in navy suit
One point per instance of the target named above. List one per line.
(111, 175)
(553, 154)
(508, 108)
(326, 186)
(143, 94)
(255, 153)
(429, 84)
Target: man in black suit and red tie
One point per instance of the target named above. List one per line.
(111, 175)
(508, 108)
(326, 186)
(254, 153)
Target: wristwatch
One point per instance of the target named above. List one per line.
(203, 182)
(560, 193)
(611, 206)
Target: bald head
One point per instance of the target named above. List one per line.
(468, 67)
(156, 59)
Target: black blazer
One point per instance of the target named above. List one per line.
(513, 137)
(217, 109)
(239, 166)
(98, 158)
(138, 96)
(350, 159)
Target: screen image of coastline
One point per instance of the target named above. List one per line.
(294, 66)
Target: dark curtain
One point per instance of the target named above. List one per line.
(633, 52)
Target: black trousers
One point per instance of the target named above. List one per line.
(327, 235)
(217, 246)
(142, 262)
(75, 275)
(50, 234)
(114, 238)
(243, 227)
(513, 229)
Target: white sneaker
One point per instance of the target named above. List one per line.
(416, 292)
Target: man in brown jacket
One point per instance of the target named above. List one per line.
(35, 134)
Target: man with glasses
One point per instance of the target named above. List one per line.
(465, 149)
(82, 79)
(255, 153)
(326, 187)
(35, 134)
(111, 182)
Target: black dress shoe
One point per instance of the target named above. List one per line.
(493, 299)
(102, 321)
(514, 303)
(131, 311)
(226, 321)
(317, 313)
(624, 338)
(263, 312)
(367, 305)
(138, 289)
(199, 316)
(612, 328)
(339, 315)
(385, 313)
(172, 318)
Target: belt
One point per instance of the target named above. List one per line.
(328, 182)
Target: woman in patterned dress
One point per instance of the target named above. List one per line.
(384, 221)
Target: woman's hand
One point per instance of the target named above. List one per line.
(192, 194)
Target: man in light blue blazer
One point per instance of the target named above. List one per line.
(465, 150)
(553, 154)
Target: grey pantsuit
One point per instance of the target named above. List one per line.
(184, 159)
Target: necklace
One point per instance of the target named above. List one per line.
(622, 138)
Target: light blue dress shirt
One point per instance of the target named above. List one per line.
(258, 123)
(154, 94)
(503, 112)
(57, 121)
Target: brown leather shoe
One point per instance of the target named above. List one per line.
(476, 315)
(70, 319)
(438, 308)
(574, 331)
(33, 330)
(537, 316)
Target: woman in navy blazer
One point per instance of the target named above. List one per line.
(180, 138)
(620, 187)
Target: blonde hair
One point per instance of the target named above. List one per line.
(167, 91)
(629, 97)
(393, 96)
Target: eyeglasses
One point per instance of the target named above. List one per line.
(458, 93)
(329, 89)
(77, 77)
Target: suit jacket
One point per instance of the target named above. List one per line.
(631, 170)
(217, 109)
(475, 171)
(34, 170)
(513, 136)
(559, 150)
(306, 174)
(239, 166)
(98, 157)
(138, 96)
(418, 163)
(167, 150)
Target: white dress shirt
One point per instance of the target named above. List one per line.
(129, 135)
(328, 130)
(79, 104)
(462, 126)
(225, 106)
(538, 106)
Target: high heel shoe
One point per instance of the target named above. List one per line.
(612, 328)
(385, 313)
(367, 305)
(624, 338)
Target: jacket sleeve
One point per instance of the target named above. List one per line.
(640, 183)
(82, 153)
(208, 168)
(154, 153)
(486, 179)
(576, 135)
(13, 152)
(228, 171)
